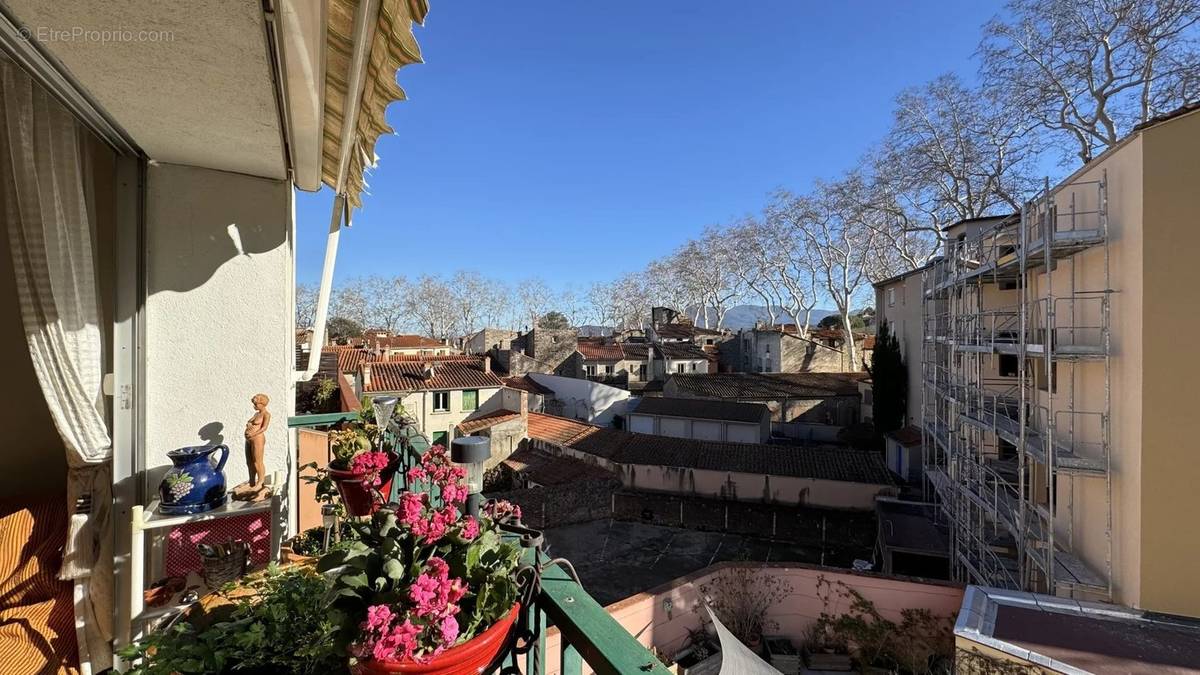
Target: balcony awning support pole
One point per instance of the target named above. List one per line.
(322, 314)
(365, 18)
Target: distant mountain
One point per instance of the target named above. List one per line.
(745, 316)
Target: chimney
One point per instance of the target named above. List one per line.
(524, 395)
(487, 363)
(429, 371)
(366, 376)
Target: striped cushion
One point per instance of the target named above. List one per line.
(37, 617)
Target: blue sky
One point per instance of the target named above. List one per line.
(577, 141)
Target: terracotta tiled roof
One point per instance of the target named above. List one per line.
(593, 350)
(623, 447)
(675, 331)
(349, 358)
(526, 383)
(699, 408)
(635, 351)
(410, 376)
(768, 386)
(466, 358)
(681, 351)
(546, 469)
(558, 430)
(907, 436)
(487, 421)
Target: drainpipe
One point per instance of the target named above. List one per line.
(364, 33)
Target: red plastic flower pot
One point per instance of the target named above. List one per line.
(356, 492)
(471, 656)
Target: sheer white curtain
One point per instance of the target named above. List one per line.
(43, 171)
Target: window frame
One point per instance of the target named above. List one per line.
(436, 409)
(474, 406)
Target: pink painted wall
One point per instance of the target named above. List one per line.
(644, 615)
(752, 487)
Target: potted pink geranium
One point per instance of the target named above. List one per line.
(357, 468)
(423, 588)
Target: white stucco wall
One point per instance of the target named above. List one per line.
(642, 424)
(590, 401)
(219, 312)
(675, 427)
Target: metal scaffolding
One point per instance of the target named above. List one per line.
(1012, 323)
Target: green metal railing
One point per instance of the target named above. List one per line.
(587, 633)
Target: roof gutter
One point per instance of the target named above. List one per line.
(364, 33)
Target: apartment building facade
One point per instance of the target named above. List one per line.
(1051, 381)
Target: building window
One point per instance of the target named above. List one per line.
(1044, 383)
(470, 399)
(441, 401)
(693, 366)
(1009, 365)
(679, 367)
(891, 297)
(439, 438)
(608, 370)
(641, 369)
(589, 370)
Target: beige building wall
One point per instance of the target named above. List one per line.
(900, 304)
(1153, 212)
(1170, 469)
(1081, 521)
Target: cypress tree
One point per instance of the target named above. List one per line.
(889, 381)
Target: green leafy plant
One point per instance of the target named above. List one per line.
(281, 626)
(920, 642)
(324, 391)
(415, 581)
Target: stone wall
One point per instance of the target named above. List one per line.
(553, 505)
(488, 338)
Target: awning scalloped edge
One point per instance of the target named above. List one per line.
(392, 48)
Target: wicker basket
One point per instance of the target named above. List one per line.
(225, 562)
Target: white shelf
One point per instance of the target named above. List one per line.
(152, 519)
(146, 519)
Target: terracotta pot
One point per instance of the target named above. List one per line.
(355, 488)
(471, 656)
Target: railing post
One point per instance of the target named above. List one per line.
(570, 662)
(534, 658)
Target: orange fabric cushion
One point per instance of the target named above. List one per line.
(37, 614)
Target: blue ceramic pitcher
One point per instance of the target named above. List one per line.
(196, 483)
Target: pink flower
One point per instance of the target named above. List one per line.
(449, 631)
(425, 593)
(501, 509)
(400, 643)
(379, 617)
(454, 494)
(417, 474)
(412, 508)
(470, 528)
(370, 463)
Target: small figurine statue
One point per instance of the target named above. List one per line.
(255, 489)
